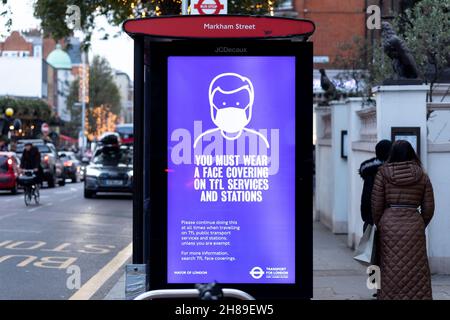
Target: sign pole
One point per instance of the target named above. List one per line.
(184, 7)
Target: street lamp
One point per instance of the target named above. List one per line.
(9, 112)
(83, 102)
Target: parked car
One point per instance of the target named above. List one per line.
(84, 163)
(111, 170)
(126, 133)
(71, 165)
(9, 171)
(51, 164)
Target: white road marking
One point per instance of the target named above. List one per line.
(69, 198)
(40, 207)
(22, 231)
(63, 192)
(8, 215)
(99, 279)
(34, 209)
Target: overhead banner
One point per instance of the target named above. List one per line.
(231, 169)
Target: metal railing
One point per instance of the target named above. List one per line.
(190, 294)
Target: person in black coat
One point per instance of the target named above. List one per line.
(368, 171)
(31, 160)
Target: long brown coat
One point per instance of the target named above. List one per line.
(399, 189)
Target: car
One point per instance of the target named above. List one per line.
(111, 170)
(126, 133)
(51, 164)
(72, 165)
(84, 163)
(9, 171)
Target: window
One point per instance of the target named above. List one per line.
(10, 54)
(38, 51)
(113, 157)
(285, 5)
(41, 147)
(4, 164)
(16, 54)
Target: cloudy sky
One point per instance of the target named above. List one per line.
(118, 51)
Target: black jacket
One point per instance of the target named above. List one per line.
(368, 171)
(31, 159)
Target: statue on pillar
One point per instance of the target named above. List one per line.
(328, 86)
(403, 62)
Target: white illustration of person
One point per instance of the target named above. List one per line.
(231, 98)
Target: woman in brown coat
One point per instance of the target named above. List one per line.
(402, 207)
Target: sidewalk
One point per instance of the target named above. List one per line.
(338, 276)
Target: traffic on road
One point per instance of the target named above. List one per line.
(62, 237)
(50, 250)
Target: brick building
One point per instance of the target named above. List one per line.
(27, 44)
(338, 22)
(48, 69)
(16, 46)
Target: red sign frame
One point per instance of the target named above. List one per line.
(220, 26)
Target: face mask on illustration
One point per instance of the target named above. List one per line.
(231, 120)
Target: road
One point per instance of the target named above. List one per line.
(66, 243)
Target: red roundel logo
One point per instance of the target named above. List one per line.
(216, 6)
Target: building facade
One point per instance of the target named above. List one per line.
(59, 67)
(125, 86)
(38, 67)
(21, 55)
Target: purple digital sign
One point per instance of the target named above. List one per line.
(231, 171)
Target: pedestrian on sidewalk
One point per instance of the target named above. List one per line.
(368, 171)
(402, 207)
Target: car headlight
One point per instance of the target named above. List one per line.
(130, 173)
(93, 172)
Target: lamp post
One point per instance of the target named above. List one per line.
(9, 113)
(83, 102)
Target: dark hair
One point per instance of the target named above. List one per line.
(383, 149)
(402, 151)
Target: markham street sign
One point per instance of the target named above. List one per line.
(223, 153)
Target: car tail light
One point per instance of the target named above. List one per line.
(10, 164)
(46, 158)
(67, 163)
